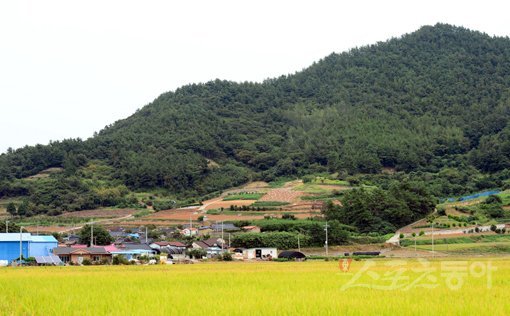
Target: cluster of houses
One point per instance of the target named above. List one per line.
(47, 250)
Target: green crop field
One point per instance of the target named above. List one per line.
(264, 288)
(243, 196)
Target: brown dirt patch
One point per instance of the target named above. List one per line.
(179, 214)
(282, 195)
(256, 185)
(227, 204)
(45, 229)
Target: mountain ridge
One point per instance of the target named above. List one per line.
(424, 102)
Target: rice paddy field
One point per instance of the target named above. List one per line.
(385, 287)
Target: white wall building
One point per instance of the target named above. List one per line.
(260, 253)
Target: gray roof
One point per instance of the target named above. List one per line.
(132, 246)
(226, 226)
(68, 250)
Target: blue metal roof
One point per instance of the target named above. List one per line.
(43, 239)
(15, 237)
(26, 237)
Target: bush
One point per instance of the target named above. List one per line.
(196, 253)
(86, 262)
(226, 256)
(422, 233)
(288, 216)
(119, 259)
(401, 236)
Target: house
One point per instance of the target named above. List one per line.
(167, 244)
(31, 246)
(70, 239)
(212, 246)
(132, 250)
(260, 253)
(208, 243)
(205, 230)
(77, 255)
(174, 253)
(251, 229)
(189, 232)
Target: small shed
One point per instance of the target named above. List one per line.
(260, 253)
(292, 255)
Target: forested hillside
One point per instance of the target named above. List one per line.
(433, 105)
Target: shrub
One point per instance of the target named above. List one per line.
(196, 253)
(226, 256)
(119, 259)
(86, 262)
(401, 235)
(288, 216)
(422, 233)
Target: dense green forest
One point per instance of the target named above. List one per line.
(432, 105)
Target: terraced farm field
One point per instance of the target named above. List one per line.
(259, 288)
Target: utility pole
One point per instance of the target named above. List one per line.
(223, 240)
(91, 234)
(146, 234)
(433, 253)
(6, 226)
(229, 240)
(326, 243)
(298, 245)
(20, 244)
(415, 254)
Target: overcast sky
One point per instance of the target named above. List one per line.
(68, 68)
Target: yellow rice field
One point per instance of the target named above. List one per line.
(264, 288)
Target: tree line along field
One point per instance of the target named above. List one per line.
(274, 288)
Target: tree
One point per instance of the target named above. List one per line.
(23, 209)
(493, 199)
(11, 209)
(101, 236)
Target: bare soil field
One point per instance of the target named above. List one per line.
(226, 204)
(282, 195)
(179, 214)
(256, 185)
(99, 213)
(45, 229)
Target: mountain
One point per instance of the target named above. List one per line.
(433, 105)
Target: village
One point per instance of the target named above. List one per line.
(132, 248)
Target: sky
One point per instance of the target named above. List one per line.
(69, 68)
